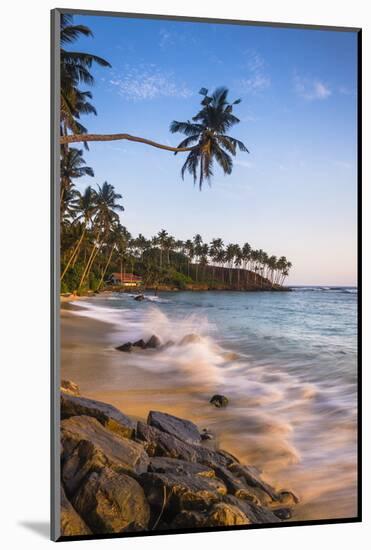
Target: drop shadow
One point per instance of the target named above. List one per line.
(41, 528)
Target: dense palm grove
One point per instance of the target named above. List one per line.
(94, 243)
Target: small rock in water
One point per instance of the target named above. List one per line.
(205, 435)
(140, 343)
(125, 347)
(219, 400)
(139, 298)
(283, 513)
(153, 342)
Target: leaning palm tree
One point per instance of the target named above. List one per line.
(75, 69)
(208, 130)
(85, 207)
(106, 217)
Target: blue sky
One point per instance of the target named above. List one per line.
(293, 195)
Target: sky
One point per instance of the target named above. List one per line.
(293, 195)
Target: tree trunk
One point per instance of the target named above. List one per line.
(105, 268)
(74, 253)
(88, 266)
(74, 138)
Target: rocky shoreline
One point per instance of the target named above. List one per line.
(120, 475)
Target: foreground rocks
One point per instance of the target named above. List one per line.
(121, 476)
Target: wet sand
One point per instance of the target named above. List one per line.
(89, 359)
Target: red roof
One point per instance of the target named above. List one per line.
(126, 277)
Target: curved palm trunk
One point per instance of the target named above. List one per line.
(87, 269)
(75, 138)
(74, 253)
(105, 268)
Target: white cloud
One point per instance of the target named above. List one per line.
(148, 82)
(257, 78)
(166, 39)
(254, 84)
(311, 89)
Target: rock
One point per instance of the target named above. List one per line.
(182, 429)
(158, 443)
(70, 521)
(288, 498)
(283, 513)
(69, 387)
(252, 479)
(226, 514)
(140, 344)
(219, 400)
(125, 347)
(179, 492)
(139, 298)
(255, 513)
(163, 465)
(190, 339)
(205, 435)
(87, 446)
(107, 415)
(188, 519)
(153, 342)
(112, 503)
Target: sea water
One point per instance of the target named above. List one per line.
(287, 361)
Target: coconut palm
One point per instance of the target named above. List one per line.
(106, 217)
(73, 166)
(75, 69)
(208, 130)
(84, 208)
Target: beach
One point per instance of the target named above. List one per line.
(272, 424)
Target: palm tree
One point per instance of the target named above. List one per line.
(162, 237)
(106, 217)
(85, 205)
(197, 242)
(216, 246)
(189, 251)
(75, 69)
(72, 167)
(208, 130)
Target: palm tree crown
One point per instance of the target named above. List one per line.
(207, 131)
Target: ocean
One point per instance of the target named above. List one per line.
(287, 361)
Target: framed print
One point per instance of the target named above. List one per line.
(205, 286)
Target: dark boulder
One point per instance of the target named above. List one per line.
(255, 513)
(252, 479)
(70, 522)
(158, 443)
(128, 346)
(112, 503)
(140, 344)
(179, 492)
(283, 513)
(185, 430)
(154, 342)
(87, 445)
(139, 298)
(223, 514)
(164, 465)
(219, 401)
(107, 415)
